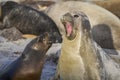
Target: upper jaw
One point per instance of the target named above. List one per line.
(67, 18)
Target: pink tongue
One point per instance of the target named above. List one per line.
(68, 28)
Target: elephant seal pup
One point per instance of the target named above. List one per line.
(78, 58)
(29, 65)
(27, 20)
(99, 19)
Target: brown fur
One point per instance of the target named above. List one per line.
(78, 59)
(97, 16)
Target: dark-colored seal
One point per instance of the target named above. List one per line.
(29, 65)
(27, 20)
(78, 58)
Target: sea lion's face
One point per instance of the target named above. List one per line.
(73, 22)
(43, 42)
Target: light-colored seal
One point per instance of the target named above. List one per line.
(81, 58)
(78, 59)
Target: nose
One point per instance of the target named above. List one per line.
(56, 37)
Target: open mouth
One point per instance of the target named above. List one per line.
(67, 21)
(68, 28)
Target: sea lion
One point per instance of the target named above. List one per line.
(27, 20)
(98, 17)
(78, 59)
(29, 65)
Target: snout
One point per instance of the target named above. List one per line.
(67, 17)
(55, 37)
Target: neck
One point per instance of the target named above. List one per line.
(30, 53)
(34, 55)
(32, 63)
(88, 54)
(71, 45)
(73, 35)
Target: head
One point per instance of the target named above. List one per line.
(74, 22)
(37, 48)
(43, 42)
(6, 7)
(55, 36)
(53, 33)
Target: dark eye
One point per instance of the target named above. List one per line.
(76, 16)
